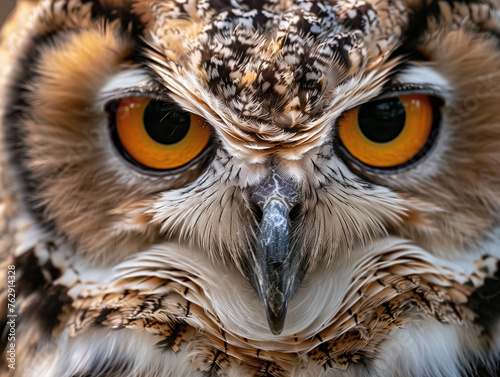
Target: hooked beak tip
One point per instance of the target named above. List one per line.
(276, 315)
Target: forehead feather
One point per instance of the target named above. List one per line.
(266, 59)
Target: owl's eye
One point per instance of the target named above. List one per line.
(390, 132)
(158, 136)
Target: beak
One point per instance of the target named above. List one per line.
(276, 270)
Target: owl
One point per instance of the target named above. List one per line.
(250, 188)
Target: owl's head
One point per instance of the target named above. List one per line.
(275, 137)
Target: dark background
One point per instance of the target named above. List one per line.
(6, 7)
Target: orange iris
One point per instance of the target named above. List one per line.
(157, 136)
(388, 132)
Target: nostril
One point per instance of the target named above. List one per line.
(257, 212)
(295, 212)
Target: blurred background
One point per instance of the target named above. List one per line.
(6, 7)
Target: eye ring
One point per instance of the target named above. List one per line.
(157, 136)
(390, 133)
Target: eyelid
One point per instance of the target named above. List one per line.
(419, 74)
(396, 90)
(130, 83)
(111, 105)
(133, 93)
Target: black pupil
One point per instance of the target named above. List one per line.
(166, 126)
(382, 121)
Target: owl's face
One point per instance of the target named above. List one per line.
(272, 138)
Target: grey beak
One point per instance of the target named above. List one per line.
(276, 271)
